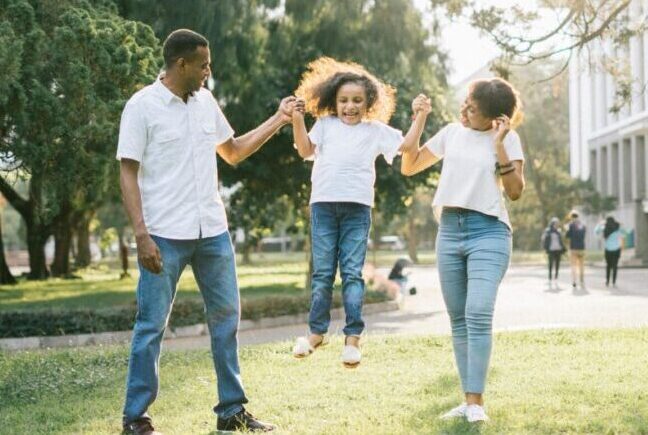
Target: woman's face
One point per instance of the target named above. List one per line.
(351, 103)
(471, 117)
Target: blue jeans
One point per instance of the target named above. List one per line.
(339, 232)
(473, 252)
(213, 263)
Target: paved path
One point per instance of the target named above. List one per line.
(525, 301)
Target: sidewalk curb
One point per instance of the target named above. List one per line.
(120, 337)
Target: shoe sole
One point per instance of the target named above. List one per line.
(351, 365)
(304, 355)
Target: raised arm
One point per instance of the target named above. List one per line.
(237, 149)
(305, 147)
(512, 173)
(415, 159)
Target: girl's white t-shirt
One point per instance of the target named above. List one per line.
(344, 159)
(468, 177)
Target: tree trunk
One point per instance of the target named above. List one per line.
(83, 257)
(62, 244)
(412, 237)
(5, 274)
(36, 239)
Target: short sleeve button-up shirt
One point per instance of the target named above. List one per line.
(175, 143)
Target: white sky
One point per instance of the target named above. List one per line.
(467, 48)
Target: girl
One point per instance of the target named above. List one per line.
(613, 235)
(482, 157)
(352, 108)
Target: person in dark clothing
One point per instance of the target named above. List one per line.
(613, 235)
(396, 274)
(553, 245)
(576, 235)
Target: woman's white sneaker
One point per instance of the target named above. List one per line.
(475, 413)
(351, 356)
(456, 412)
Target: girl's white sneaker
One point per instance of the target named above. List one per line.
(475, 413)
(351, 356)
(456, 412)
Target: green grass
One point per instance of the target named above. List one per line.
(541, 382)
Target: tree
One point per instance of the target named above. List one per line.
(574, 24)
(79, 62)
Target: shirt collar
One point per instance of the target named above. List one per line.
(166, 94)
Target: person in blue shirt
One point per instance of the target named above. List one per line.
(576, 235)
(613, 235)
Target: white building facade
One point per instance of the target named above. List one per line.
(609, 148)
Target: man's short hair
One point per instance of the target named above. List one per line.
(181, 43)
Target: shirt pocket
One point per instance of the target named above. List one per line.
(208, 135)
(166, 143)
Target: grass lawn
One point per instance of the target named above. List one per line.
(541, 382)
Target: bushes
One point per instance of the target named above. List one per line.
(25, 323)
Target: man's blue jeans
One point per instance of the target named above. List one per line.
(213, 263)
(473, 252)
(339, 232)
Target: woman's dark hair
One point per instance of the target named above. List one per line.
(326, 92)
(496, 97)
(610, 226)
(181, 43)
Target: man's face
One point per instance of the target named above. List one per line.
(195, 69)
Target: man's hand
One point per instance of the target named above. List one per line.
(421, 104)
(148, 253)
(286, 108)
(299, 108)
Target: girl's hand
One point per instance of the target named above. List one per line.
(422, 104)
(286, 108)
(502, 126)
(299, 108)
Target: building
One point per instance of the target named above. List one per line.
(610, 148)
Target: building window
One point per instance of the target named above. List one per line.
(605, 169)
(593, 169)
(614, 172)
(627, 170)
(640, 166)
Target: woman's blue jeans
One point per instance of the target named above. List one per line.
(473, 253)
(339, 232)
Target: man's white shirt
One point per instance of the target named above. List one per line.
(175, 143)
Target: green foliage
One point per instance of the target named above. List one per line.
(25, 323)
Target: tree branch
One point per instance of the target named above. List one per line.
(19, 203)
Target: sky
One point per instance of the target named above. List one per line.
(467, 48)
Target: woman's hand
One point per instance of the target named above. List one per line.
(502, 126)
(421, 104)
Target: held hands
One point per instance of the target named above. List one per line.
(148, 254)
(299, 108)
(502, 126)
(288, 106)
(422, 104)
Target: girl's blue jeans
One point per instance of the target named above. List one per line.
(339, 233)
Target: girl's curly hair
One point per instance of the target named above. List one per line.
(324, 76)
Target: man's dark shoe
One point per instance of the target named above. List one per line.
(243, 420)
(141, 426)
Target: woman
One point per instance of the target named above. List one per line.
(482, 157)
(613, 235)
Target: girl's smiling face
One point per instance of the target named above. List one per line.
(471, 117)
(351, 103)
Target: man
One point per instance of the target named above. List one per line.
(168, 134)
(576, 235)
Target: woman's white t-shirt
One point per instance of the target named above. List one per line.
(468, 178)
(344, 159)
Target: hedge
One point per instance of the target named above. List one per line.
(26, 323)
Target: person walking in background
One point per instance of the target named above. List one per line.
(553, 245)
(613, 236)
(483, 161)
(576, 235)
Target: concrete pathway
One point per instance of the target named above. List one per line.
(525, 301)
